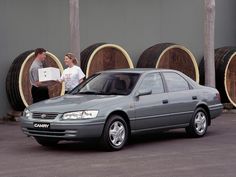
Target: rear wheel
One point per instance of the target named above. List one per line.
(46, 142)
(198, 124)
(115, 133)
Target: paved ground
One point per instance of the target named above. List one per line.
(170, 154)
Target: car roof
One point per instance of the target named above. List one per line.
(149, 70)
(135, 70)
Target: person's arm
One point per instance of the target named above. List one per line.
(81, 75)
(35, 77)
(62, 79)
(81, 80)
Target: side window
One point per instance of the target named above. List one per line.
(154, 82)
(175, 82)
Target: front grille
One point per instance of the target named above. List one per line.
(44, 115)
(50, 133)
(46, 132)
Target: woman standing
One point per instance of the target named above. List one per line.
(72, 75)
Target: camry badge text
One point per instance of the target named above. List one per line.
(41, 125)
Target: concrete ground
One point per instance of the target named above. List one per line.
(169, 154)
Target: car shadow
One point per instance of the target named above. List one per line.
(139, 139)
(158, 137)
(78, 146)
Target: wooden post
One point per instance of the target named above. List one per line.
(74, 28)
(209, 32)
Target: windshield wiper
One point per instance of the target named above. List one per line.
(101, 93)
(113, 93)
(91, 92)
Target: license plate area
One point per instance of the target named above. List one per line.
(41, 125)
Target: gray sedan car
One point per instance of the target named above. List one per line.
(112, 105)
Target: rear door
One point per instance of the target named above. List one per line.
(182, 99)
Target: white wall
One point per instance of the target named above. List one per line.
(138, 24)
(133, 24)
(28, 24)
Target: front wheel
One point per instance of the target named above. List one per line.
(198, 124)
(115, 133)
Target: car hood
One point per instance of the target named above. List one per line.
(68, 103)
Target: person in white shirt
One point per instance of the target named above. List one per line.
(72, 75)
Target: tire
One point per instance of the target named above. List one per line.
(198, 124)
(115, 134)
(46, 142)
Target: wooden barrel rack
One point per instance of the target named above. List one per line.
(18, 86)
(170, 56)
(103, 56)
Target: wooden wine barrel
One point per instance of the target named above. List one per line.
(225, 72)
(102, 56)
(170, 56)
(18, 86)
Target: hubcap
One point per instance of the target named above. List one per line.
(200, 123)
(117, 133)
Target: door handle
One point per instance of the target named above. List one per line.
(164, 101)
(194, 97)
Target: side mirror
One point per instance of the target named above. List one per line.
(143, 92)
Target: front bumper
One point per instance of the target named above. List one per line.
(64, 130)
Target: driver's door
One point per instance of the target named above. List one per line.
(150, 108)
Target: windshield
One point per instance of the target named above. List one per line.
(108, 84)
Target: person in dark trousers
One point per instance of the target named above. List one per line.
(39, 90)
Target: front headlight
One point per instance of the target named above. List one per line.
(27, 114)
(80, 115)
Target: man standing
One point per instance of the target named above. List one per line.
(39, 90)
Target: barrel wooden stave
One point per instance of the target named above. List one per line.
(170, 56)
(223, 78)
(86, 53)
(225, 73)
(150, 56)
(103, 56)
(230, 83)
(111, 58)
(173, 58)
